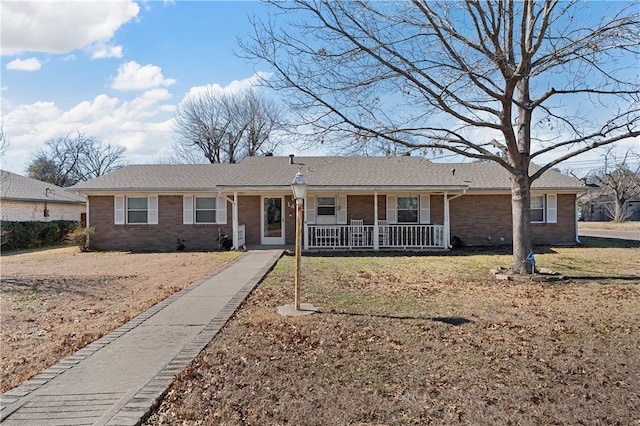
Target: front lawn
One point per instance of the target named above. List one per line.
(426, 340)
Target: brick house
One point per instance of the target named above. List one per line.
(370, 203)
(24, 199)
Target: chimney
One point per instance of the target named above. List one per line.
(291, 159)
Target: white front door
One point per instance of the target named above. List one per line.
(272, 220)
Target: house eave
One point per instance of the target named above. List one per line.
(272, 188)
(42, 200)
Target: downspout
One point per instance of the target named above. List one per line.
(576, 215)
(447, 222)
(86, 219)
(305, 227)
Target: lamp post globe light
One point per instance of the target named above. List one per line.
(299, 188)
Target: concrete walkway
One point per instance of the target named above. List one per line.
(117, 379)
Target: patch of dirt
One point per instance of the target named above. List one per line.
(55, 302)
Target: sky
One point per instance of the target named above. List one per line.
(117, 70)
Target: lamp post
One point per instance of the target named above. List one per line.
(299, 188)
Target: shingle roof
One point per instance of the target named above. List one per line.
(170, 177)
(21, 188)
(349, 171)
(320, 172)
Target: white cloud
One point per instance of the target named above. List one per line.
(133, 76)
(30, 64)
(141, 124)
(103, 51)
(61, 26)
(233, 87)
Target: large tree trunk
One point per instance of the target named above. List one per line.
(521, 220)
(520, 159)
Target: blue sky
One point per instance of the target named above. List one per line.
(118, 69)
(115, 70)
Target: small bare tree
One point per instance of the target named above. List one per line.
(4, 142)
(226, 127)
(620, 183)
(505, 81)
(69, 160)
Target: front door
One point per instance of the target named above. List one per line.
(272, 220)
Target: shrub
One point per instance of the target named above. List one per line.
(26, 235)
(80, 237)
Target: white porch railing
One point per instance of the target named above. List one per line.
(241, 236)
(362, 236)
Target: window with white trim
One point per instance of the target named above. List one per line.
(205, 211)
(536, 208)
(326, 206)
(407, 209)
(137, 210)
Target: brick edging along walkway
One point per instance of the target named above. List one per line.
(138, 407)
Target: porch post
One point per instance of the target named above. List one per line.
(446, 237)
(234, 221)
(376, 230)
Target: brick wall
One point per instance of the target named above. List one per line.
(249, 211)
(564, 231)
(437, 209)
(477, 220)
(486, 220)
(249, 216)
(25, 211)
(361, 207)
(160, 237)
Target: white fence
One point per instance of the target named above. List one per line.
(363, 236)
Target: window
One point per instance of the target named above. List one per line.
(137, 210)
(537, 208)
(407, 209)
(205, 209)
(326, 206)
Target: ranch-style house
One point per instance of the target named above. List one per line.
(352, 203)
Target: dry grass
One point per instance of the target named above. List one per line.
(426, 340)
(54, 302)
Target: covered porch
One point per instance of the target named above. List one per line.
(345, 219)
(372, 220)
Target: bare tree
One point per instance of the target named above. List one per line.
(226, 127)
(69, 160)
(4, 142)
(45, 168)
(183, 154)
(99, 158)
(504, 81)
(620, 183)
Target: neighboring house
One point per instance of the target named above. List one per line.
(23, 199)
(378, 203)
(597, 207)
